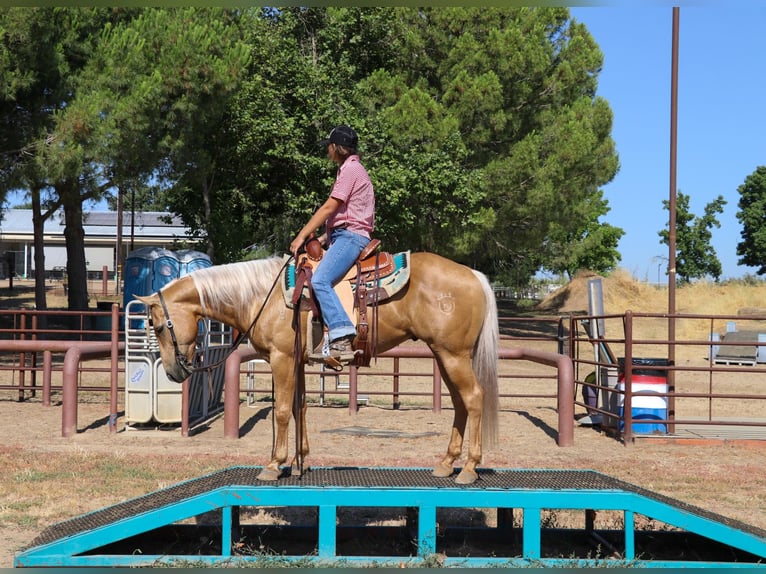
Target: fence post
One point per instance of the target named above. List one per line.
(396, 384)
(353, 380)
(115, 358)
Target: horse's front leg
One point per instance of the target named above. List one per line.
(299, 414)
(284, 388)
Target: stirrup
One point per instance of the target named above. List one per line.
(321, 351)
(338, 362)
(334, 364)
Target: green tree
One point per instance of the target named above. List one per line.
(475, 123)
(752, 215)
(165, 82)
(505, 98)
(277, 169)
(695, 256)
(480, 127)
(42, 51)
(593, 246)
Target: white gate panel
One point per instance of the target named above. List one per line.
(138, 390)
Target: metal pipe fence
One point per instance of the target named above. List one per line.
(716, 381)
(714, 387)
(20, 370)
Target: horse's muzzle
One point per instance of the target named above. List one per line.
(183, 369)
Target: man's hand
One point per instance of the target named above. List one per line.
(296, 245)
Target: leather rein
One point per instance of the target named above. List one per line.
(187, 367)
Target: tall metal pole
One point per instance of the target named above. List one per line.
(672, 221)
(119, 259)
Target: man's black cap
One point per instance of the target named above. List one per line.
(342, 135)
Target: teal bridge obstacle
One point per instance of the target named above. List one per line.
(152, 529)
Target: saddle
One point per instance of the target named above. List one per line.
(376, 276)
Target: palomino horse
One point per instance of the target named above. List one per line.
(447, 305)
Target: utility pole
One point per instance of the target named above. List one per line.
(672, 222)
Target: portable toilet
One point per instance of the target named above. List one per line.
(165, 268)
(192, 260)
(138, 273)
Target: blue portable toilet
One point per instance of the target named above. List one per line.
(192, 260)
(147, 270)
(165, 268)
(137, 273)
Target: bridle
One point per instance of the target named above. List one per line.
(188, 368)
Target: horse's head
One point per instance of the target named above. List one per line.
(175, 326)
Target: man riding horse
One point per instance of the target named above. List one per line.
(349, 216)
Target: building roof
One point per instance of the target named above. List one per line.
(17, 224)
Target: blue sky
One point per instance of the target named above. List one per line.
(721, 117)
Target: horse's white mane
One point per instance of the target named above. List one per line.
(235, 284)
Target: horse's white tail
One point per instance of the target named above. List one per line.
(485, 358)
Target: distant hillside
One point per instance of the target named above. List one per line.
(622, 292)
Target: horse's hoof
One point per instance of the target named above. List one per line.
(295, 471)
(466, 477)
(443, 471)
(269, 475)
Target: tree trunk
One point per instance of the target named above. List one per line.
(208, 210)
(38, 231)
(77, 277)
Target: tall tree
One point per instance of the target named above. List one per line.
(290, 97)
(503, 101)
(166, 79)
(480, 127)
(42, 51)
(474, 124)
(695, 256)
(592, 246)
(752, 216)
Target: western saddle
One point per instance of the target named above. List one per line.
(371, 265)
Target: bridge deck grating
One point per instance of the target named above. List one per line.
(373, 478)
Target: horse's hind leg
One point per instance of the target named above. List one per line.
(467, 402)
(455, 446)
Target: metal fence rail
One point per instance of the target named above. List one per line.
(713, 390)
(715, 382)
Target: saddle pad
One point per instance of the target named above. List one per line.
(385, 288)
(390, 284)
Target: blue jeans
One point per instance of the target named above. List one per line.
(343, 252)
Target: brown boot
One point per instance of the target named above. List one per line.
(320, 352)
(342, 350)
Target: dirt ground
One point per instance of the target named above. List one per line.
(47, 478)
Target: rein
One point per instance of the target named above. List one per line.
(303, 278)
(189, 368)
(186, 367)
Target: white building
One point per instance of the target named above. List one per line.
(142, 229)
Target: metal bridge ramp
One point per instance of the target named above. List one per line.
(112, 536)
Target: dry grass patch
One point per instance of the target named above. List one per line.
(623, 292)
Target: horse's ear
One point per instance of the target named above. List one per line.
(147, 299)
